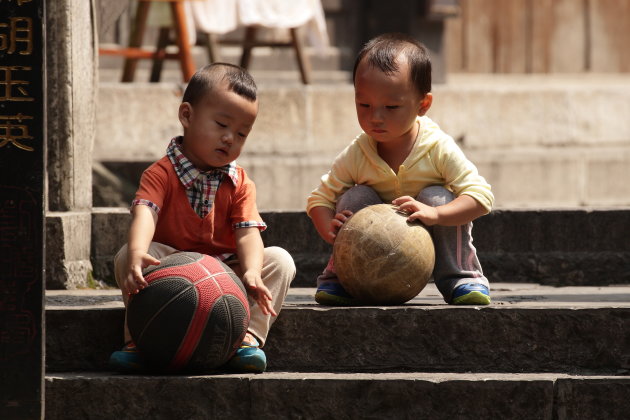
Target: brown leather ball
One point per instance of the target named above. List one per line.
(380, 258)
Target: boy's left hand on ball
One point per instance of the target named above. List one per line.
(259, 292)
(338, 221)
(416, 210)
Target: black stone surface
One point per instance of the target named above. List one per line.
(551, 247)
(328, 396)
(22, 156)
(420, 338)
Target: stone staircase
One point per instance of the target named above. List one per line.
(539, 351)
(527, 134)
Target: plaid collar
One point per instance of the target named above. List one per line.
(186, 171)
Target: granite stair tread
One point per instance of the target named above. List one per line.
(337, 395)
(527, 328)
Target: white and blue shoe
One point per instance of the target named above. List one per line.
(471, 294)
(332, 293)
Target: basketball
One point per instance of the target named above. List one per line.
(194, 313)
(380, 258)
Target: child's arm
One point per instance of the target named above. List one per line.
(140, 236)
(327, 223)
(250, 249)
(462, 210)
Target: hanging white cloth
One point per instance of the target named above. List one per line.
(222, 16)
(213, 16)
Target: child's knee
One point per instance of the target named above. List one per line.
(435, 195)
(358, 197)
(281, 259)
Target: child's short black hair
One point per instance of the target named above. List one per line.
(206, 78)
(381, 52)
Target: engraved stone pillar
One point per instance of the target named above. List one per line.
(22, 204)
(72, 86)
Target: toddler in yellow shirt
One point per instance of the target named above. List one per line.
(403, 158)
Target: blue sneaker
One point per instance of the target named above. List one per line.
(471, 294)
(249, 358)
(332, 293)
(127, 360)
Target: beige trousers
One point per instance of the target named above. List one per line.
(277, 274)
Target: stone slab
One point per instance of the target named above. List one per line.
(527, 328)
(330, 395)
(536, 111)
(516, 111)
(541, 136)
(600, 398)
(264, 63)
(68, 264)
(555, 247)
(23, 201)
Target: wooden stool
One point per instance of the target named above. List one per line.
(134, 52)
(250, 42)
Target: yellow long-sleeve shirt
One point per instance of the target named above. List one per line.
(434, 160)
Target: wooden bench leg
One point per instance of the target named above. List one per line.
(303, 63)
(160, 52)
(135, 41)
(183, 42)
(248, 44)
(213, 48)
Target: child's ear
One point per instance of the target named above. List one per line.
(425, 104)
(185, 113)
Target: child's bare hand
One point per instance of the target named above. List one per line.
(259, 292)
(337, 222)
(135, 281)
(416, 210)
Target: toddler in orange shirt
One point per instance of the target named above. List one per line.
(197, 199)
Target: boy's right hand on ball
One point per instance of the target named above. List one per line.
(135, 280)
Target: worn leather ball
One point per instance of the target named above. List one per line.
(380, 258)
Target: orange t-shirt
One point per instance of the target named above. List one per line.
(180, 227)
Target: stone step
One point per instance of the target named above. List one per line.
(527, 328)
(263, 60)
(541, 152)
(555, 247)
(303, 395)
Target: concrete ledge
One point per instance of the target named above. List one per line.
(535, 112)
(554, 247)
(527, 328)
(452, 340)
(68, 263)
(527, 134)
(325, 395)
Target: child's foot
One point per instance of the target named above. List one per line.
(127, 360)
(249, 358)
(332, 293)
(471, 294)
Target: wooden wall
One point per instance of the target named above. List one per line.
(539, 36)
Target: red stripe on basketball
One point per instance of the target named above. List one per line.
(197, 323)
(215, 283)
(228, 287)
(193, 270)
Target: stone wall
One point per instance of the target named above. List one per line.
(541, 141)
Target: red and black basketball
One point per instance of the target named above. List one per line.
(194, 313)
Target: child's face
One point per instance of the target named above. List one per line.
(216, 128)
(388, 104)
